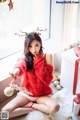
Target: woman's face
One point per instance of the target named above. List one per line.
(34, 48)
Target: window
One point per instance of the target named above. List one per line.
(26, 15)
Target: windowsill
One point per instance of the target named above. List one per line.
(7, 64)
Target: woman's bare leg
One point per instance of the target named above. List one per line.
(47, 105)
(19, 111)
(41, 107)
(16, 107)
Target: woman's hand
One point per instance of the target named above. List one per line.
(14, 73)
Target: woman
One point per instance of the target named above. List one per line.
(36, 73)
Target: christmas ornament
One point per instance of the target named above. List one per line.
(58, 87)
(8, 91)
(56, 82)
(10, 5)
(69, 118)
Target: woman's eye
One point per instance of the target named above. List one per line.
(37, 45)
(30, 46)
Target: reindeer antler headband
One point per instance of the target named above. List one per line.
(38, 31)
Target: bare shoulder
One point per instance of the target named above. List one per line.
(49, 58)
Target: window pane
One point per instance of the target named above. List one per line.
(26, 15)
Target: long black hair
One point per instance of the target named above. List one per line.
(28, 55)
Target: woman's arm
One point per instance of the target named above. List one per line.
(19, 68)
(21, 65)
(14, 73)
(49, 59)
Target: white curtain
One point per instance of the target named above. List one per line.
(64, 23)
(70, 25)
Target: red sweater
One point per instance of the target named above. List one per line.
(37, 80)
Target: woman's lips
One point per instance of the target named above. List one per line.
(34, 53)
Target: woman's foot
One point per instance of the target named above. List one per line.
(29, 105)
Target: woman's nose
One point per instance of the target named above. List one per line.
(34, 49)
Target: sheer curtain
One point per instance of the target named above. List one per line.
(64, 23)
(70, 25)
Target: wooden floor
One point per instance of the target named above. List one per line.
(6, 101)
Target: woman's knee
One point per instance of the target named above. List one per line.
(6, 109)
(54, 108)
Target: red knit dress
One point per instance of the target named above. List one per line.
(37, 80)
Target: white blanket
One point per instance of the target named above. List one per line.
(64, 98)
